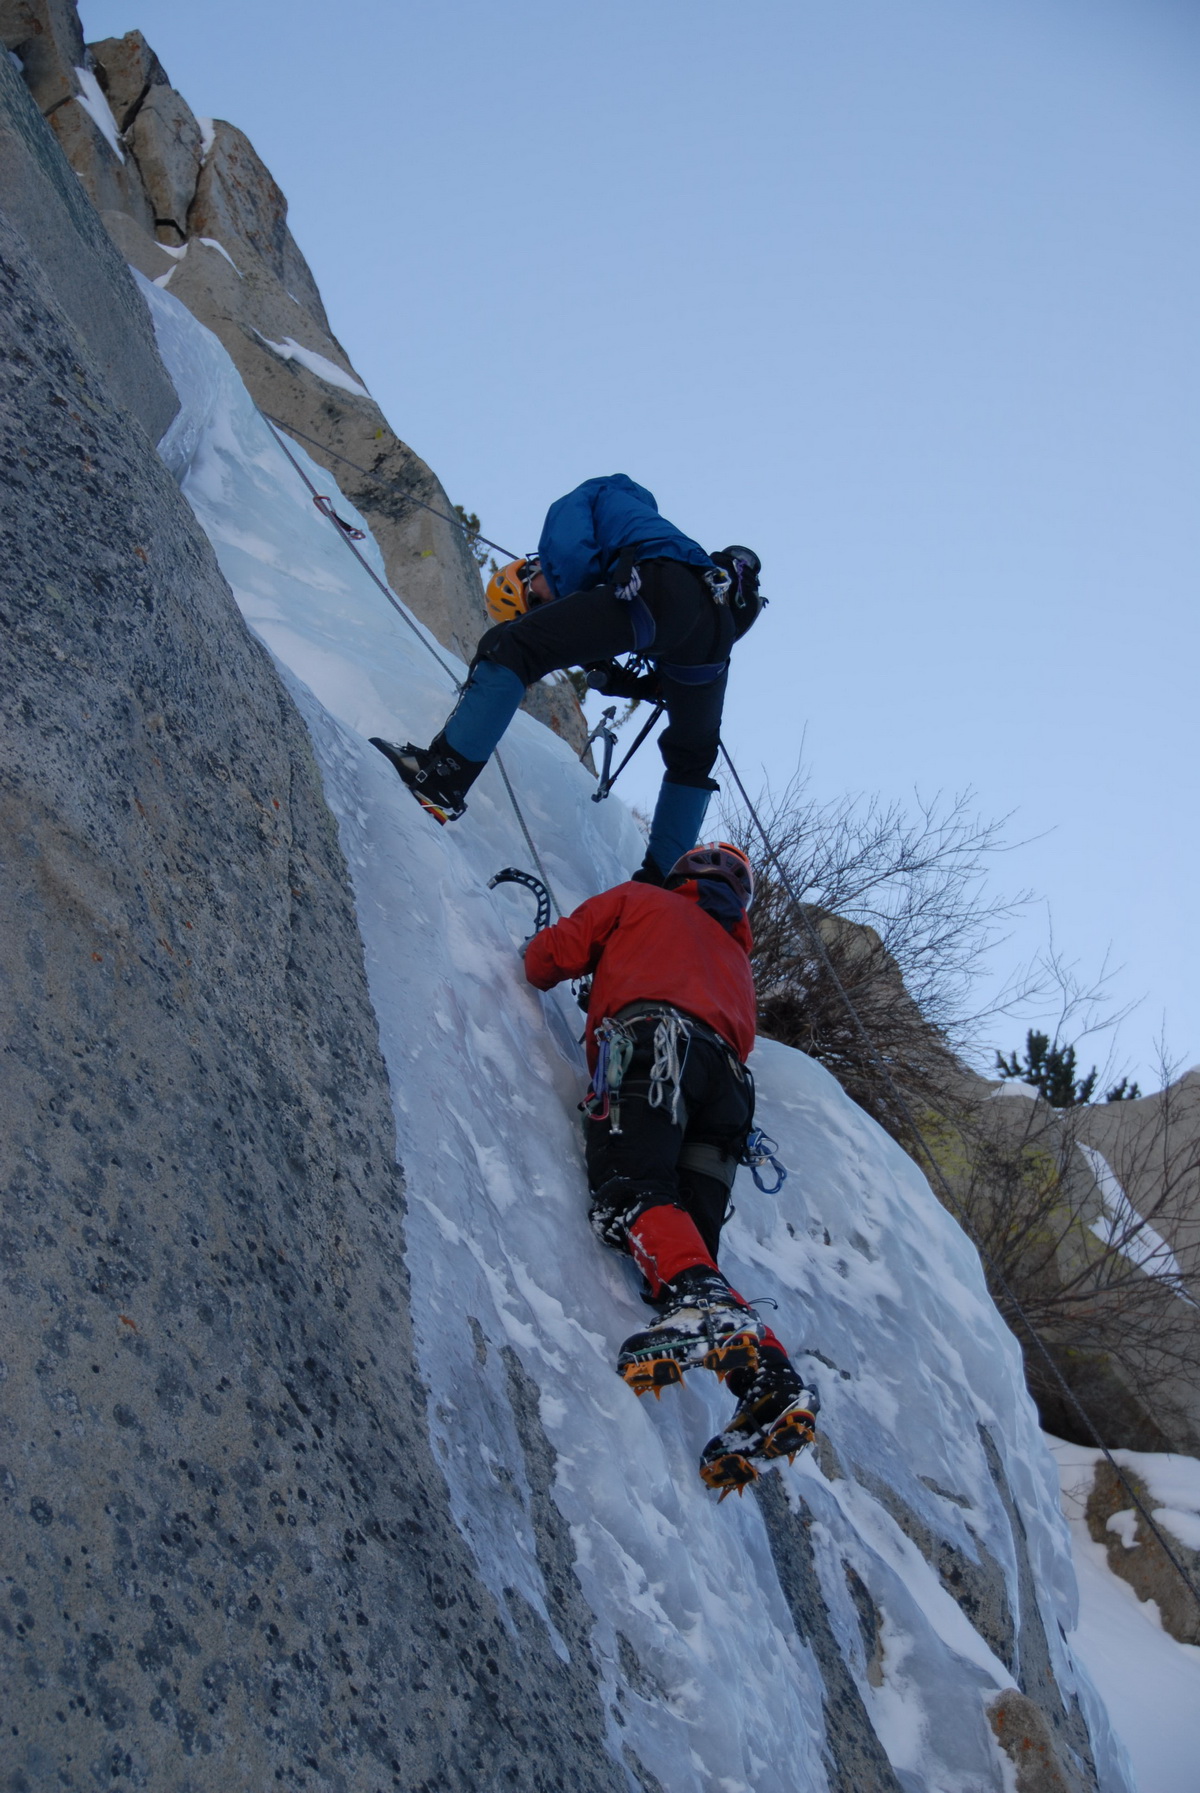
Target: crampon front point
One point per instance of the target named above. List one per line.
(728, 1462)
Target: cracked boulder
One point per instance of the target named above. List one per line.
(168, 145)
(127, 68)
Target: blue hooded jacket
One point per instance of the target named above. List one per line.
(584, 533)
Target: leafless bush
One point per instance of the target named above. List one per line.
(1088, 1218)
(901, 905)
(1088, 1223)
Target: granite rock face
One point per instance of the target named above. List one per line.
(238, 201)
(229, 1559)
(43, 200)
(48, 38)
(127, 68)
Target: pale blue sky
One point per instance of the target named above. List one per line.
(904, 295)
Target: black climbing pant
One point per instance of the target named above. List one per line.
(689, 1161)
(590, 626)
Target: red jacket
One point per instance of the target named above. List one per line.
(647, 944)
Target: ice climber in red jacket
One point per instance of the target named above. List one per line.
(670, 1027)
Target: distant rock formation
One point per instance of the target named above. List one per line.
(192, 206)
(1137, 1556)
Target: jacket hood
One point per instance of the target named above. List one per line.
(739, 927)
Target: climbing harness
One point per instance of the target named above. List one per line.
(719, 583)
(627, 585)
(940, 1177)
(510, 875)
(325, 506)
(615, 1046)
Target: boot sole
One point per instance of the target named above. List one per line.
(733, 1471)
(441, 812)
(660, 1369)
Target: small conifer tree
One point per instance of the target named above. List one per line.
(1052, 1070)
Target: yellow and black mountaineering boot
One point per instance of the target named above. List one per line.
(704, 1324)
(775, 1417)
(438, 777)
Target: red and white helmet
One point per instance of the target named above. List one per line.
(717, 859)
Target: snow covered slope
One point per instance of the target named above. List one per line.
(851, 1629)
(1149, 1681)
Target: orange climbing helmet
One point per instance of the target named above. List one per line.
(507, 592)
(717, 859)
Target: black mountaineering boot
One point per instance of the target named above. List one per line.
(438, 777)
(775, 1417)
(702, 1324)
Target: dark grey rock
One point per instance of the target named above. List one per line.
(1065, 1727)
(166, 141)
(228, 1558)
(126, 68)
(42, 199)
(977, 1583)
(855, 1760)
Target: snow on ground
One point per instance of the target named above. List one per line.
(877, 1290)
(1149, 1682)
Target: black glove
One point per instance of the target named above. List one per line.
(612, 679)
(648, 872)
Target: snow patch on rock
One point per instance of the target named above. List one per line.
(91, 98)
(325, 369)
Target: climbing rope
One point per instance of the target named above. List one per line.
(391, 485)
(818, 945)
(343, 535)
(952, 1201)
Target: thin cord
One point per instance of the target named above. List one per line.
(394, 601)
(525, 831)
(951, 1199)
(398, 607)
(391, 485)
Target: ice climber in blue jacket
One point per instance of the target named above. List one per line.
(611, 576)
